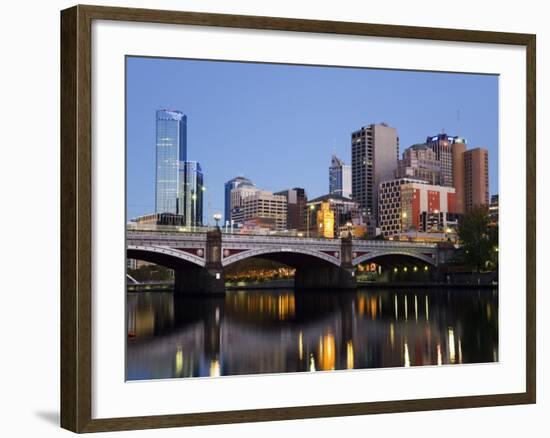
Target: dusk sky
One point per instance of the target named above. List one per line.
(279, 124)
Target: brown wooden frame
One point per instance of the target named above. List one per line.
(76, 322)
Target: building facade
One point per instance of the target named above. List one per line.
(442, 145)
(345, 210)
(476, 178)
(262, 206)
(374, 156)
(408, 204)
(296, 204)
(171, 151)
(339, 178)
(419, 162)
(239, 181)
(493, 211)
(325, 221)
(191, 193)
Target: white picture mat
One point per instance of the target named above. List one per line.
(113, 397)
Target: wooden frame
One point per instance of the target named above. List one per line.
(76, 168)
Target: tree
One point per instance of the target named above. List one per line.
(479, 240)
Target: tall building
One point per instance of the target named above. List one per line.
(476, 178)
(441, 144)
(325, 221)
(296, 204)
(237, 198)
(374, 155)
(419, 162)
(408, 204)
(230, 185)
(339, 177)
(458, 149)
(191, 193)
(171, 151)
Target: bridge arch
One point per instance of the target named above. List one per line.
(283, 255)
(394, 252)
(171, 258)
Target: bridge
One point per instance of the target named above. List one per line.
(199, 258)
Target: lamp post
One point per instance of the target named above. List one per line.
(311, 208)
(217, 217)
(194, 211)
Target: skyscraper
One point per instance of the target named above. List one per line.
(191, 193)
(239, 181)
(374, 155)
(476, 178)
(458, 149)
(171, 151)
(441, 144)
(339, 177)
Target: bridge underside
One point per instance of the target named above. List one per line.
(313, 273)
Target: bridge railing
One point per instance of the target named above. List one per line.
(167, 231)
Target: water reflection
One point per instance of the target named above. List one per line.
(274, 331)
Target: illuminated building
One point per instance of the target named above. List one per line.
(344, 209)
(407, 204)
(325, 221)
(442, 145)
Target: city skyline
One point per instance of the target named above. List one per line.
(228, 146)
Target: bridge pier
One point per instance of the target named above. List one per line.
(207, 280)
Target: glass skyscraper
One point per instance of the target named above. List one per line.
(191, 193)
(171, 153)
(339, 177)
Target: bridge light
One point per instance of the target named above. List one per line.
(395, 269)
(405, 269)
(415, 268)
(426, 267)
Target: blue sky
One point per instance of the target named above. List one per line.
(279, 124)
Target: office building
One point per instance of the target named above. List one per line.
(374, 156)
(339, 176)
(296, 203)
(239, 181)
(171, 152)
(261, 205)
(191, 193)
(408, 204)
(419, 162)
(476, 178)
(442, 145)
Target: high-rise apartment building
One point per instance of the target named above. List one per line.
(339, 177)
(374, 155)
(239, 181)
(296, 200)
(191, 193)
(419, 162)
(458, 149)
(476, 178)
(171, 151)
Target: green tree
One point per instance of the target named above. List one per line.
(479, 240)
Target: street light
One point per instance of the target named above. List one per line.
(217, 218)
(311, 207)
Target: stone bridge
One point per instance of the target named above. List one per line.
(199, 259)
